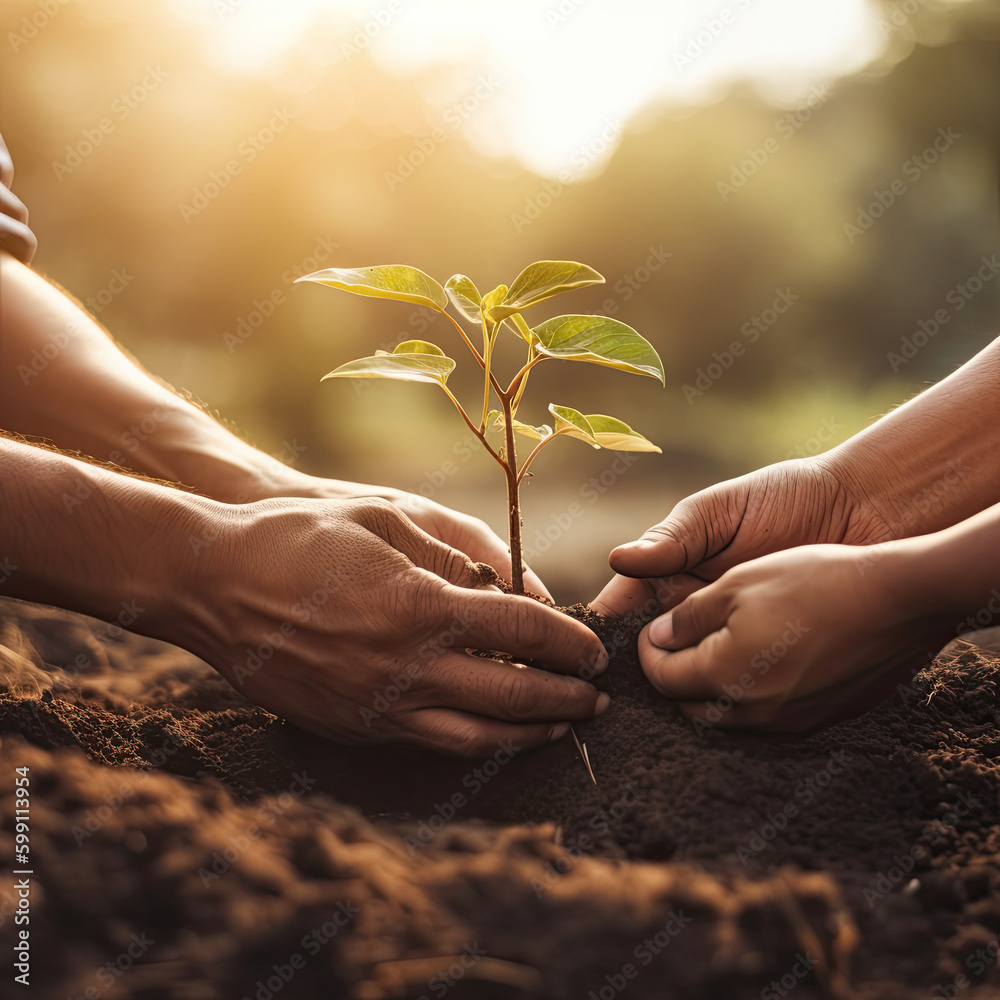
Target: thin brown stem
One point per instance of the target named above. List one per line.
(468, 343)
(516, 382)
(488, 366)
(513, 499)
(472, 427)
(472, 347)
(531, 457)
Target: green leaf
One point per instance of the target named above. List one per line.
(573, 423)
(413, 366)
(616, 435)
(490, 300)
(384, 281)
(416, 347)
(542, 280)
(517, 320)
(464, 296)
(599, 340)
(535, 433)
(495, 419)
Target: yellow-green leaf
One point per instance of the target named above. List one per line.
(490, 300)
(599, 340)
(616, 435)
(464, 296)
(495, 419)
(573, 423)
(416, 347)
(418, 366)
(542, 280)
(535, 433)
(517, 320)
(384, 281)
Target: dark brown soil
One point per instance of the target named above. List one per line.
(863, 860)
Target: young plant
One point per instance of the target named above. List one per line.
(598, 340)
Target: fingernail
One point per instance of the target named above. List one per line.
(661, 631)
(603, 700)
(558, 732)
(601, 661)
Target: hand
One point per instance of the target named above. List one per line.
(468, 534)
(349, 621)
(798, 502)
(820, 620)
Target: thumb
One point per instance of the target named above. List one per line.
(696, 617)
(678, 543)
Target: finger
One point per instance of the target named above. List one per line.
(388, 522)
(510, 692)
(678, 543)
(695, 618)
(465, 735)
(838, 702)
(689, 673)
(655, 595)
(527, 629)
(6, 165)
(622, 595)
(844, 700)
(12, 206)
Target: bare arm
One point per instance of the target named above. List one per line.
(63, 378)
(935, 460)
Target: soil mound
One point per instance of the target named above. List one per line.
(186, 844)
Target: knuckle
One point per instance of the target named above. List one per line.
(514, 697)
(462, 740)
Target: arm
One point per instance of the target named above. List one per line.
(312, 608)
(63, 378)
(928, 464)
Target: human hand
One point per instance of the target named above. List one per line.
(464, 532)
(349, 621)
(793, 640)
(797, 502)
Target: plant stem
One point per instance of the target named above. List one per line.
(488, 359)
(538, 447)
(472, 347)
(472, 427)
(513, 499)
(518, 382)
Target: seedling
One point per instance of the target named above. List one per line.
(598, 340)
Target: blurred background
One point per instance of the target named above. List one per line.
(815, 184)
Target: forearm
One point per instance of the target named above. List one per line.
(953, 572)
(64, 379)
(935, 460)
(80, 537)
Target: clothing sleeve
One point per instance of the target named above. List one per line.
(15, 236)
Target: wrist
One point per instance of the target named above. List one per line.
(955, 571)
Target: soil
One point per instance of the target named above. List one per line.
(187, 844)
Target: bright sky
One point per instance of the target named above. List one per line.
(566, 75)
